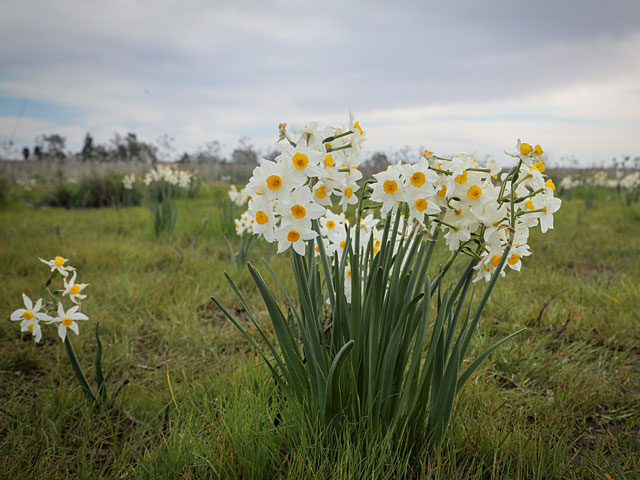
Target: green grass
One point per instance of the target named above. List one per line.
(561, 400)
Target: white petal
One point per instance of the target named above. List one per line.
(17, 315)
(38, 305)
(74, 327)
(27, 302)
(62, 332)
(72, 310)
(44, 317)
(61, 313)
(78, 316)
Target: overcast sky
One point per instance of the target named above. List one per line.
(451, 76)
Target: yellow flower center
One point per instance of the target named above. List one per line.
(74, 290)
(321, 191)
(348, 192)
(261, 217)
(27, 315)
(331, 224)
(525, 148)
(462, 178)
(67, 322)
(328, 160)
(293, 236)
(59, 261)
(443, 191)
(513, 259)
(529, 205)
(390, 187)
(427, 153)
(549, 183)
(421, 204)
(298, 211)
(457, 213)
(538, 150)
(417, 179)
(300, 160)
(358, 127)
(342, 244)
(474, 192)
(30, 327)
(495, 260)
(540, 166)
(349, 273)
(274, 182)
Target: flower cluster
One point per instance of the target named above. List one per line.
(315, 168)
(240, 198)
(169, 174)
(476, 215)
(33, 313)
(244, 224)
(128, 181)
(479, 212)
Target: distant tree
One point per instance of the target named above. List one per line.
(271, 154)
(165, 150)
(185, 159)
(25, 153)
(244, 154)
(378, 161)
(210, 153)
(54, 145)
(87, 147)
(37, 152)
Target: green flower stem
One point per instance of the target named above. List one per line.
(343, 147)
(335, 137)
(77, 369)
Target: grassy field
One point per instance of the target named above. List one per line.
(561, 400)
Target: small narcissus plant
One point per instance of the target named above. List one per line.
(53, 312)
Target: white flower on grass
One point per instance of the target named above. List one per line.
(67, 320)
(30, 316)
(73, 289)
(58, 264)
(30, 311)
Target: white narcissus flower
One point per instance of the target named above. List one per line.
(73, 289)
(298, 208)
(67, 320)
(293, 236)
(30, 316)
(58, 264)
(33, 327)
(30, 311)
(300, 162)
(388, 189)
(550, 205)
(265, 218)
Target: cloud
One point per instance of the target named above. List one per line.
(205, 70)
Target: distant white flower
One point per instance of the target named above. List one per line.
(58, 264)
